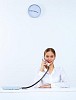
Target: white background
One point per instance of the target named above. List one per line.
(23, 39)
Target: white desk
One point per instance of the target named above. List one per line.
(40, 94)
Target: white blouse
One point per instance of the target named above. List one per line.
(57, 78)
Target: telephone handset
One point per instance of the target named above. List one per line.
(47, 63)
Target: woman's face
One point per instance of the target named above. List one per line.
(49, 57)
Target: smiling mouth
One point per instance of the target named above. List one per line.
(49, 61)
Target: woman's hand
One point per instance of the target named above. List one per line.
(45, 86)
(43, 65)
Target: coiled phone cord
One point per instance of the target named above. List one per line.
(37, 81)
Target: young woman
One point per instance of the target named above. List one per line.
(55, 76)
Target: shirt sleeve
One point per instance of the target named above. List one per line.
(63, 83)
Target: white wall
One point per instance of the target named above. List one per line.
(23, 39)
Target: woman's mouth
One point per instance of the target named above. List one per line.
(49, 61)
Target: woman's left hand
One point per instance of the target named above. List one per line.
(45, 86)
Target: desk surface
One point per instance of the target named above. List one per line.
(40, 94)
(39, 90)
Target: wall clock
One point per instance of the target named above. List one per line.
(34, 10)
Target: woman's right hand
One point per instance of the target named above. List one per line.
(43, 65)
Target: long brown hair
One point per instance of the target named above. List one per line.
(50, 49)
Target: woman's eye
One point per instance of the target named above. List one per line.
(51, 56)
(47, 56)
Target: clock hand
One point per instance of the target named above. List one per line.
(33, 11)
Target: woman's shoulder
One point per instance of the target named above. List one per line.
(59, 68)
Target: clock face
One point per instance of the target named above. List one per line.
(34, 11)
